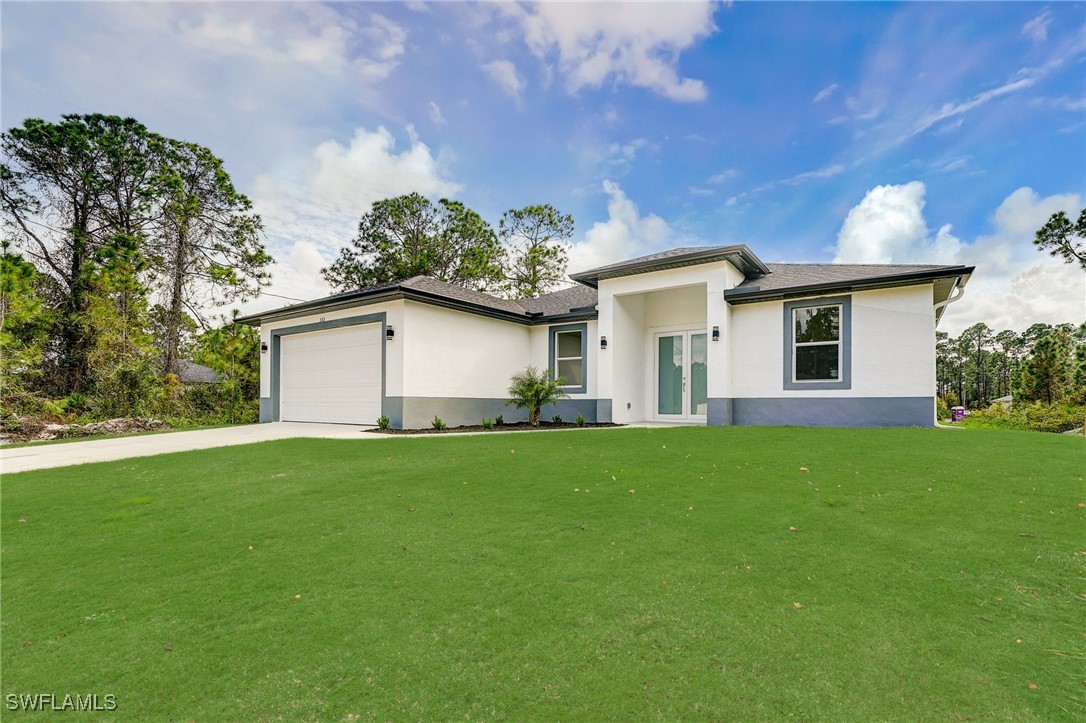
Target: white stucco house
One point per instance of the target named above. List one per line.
(705, 335)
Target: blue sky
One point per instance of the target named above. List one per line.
(855, 132)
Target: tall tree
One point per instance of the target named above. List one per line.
(121, 355)
(51, 193)
(1064, 239)
(1048, 373)
(536, 252)
(24, 328)
(208, 245)
(409, 236)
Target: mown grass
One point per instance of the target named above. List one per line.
(696, 574)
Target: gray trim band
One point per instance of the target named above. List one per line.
(828, 411)
(419, 412)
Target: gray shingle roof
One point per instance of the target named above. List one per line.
(785, 276)
(780, 280)
(430, 285)
(561, 302)
(192, 373)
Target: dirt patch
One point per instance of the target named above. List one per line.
(511, 427)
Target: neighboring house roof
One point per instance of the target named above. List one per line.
(739, 255)
(192, 373)
(763, 282)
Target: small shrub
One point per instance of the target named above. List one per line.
(580, 421)
(499, 420)
(557, 419)
(383, 422)
(438, 424)
(488, 423)
(942, 411)
(532, 390)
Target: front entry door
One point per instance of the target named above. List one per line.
(682, 392)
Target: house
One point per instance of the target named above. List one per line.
(704, 335)
(189, 373)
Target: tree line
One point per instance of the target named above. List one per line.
(120, 246)
(1044, 363)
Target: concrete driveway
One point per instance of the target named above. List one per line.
(22, 459)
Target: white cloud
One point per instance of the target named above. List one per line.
(637, 44)
(1014, 285)
(625, 234)
(311, 212)
(1037, 28)
(436, 116)
(796, 180)
(314, 35)
(504, 73)
(724, 176)
(825, 92)
(951, 110)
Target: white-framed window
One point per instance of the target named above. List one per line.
(568, 359)
(816, 345)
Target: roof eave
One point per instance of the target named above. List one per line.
(740, 256)
(737, 296)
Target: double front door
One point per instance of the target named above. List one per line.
(681, 380)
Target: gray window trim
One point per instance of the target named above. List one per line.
(845, 381)
(553, 346)
(277, 334)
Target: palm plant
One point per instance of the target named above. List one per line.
(532, 389)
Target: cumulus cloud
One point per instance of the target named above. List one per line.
(625, 234)
(1013, 286)
(504, 73)
(638, 45)
(311, 211)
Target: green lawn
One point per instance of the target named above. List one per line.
(698, 573)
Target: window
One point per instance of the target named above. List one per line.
(818, 344)
(568, 352)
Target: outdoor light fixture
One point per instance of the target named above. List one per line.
(603, 342)
(263, 347)
(389, 333)
(716, 333)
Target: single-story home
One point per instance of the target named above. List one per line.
(703, 335)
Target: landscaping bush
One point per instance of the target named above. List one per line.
(580, 421)
(532, 389)
(488, 423)
(499, 420)
(438, 424)
(1035, 417)
(942, 411)
(383, 422)
(557, 419)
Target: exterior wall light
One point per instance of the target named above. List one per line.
(263, 347)
(716, 333)
(390, 333)
(603, 342)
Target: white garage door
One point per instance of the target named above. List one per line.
(331, 376)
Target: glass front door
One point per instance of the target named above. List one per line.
(681, 379)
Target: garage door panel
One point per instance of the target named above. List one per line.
(331, 376)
